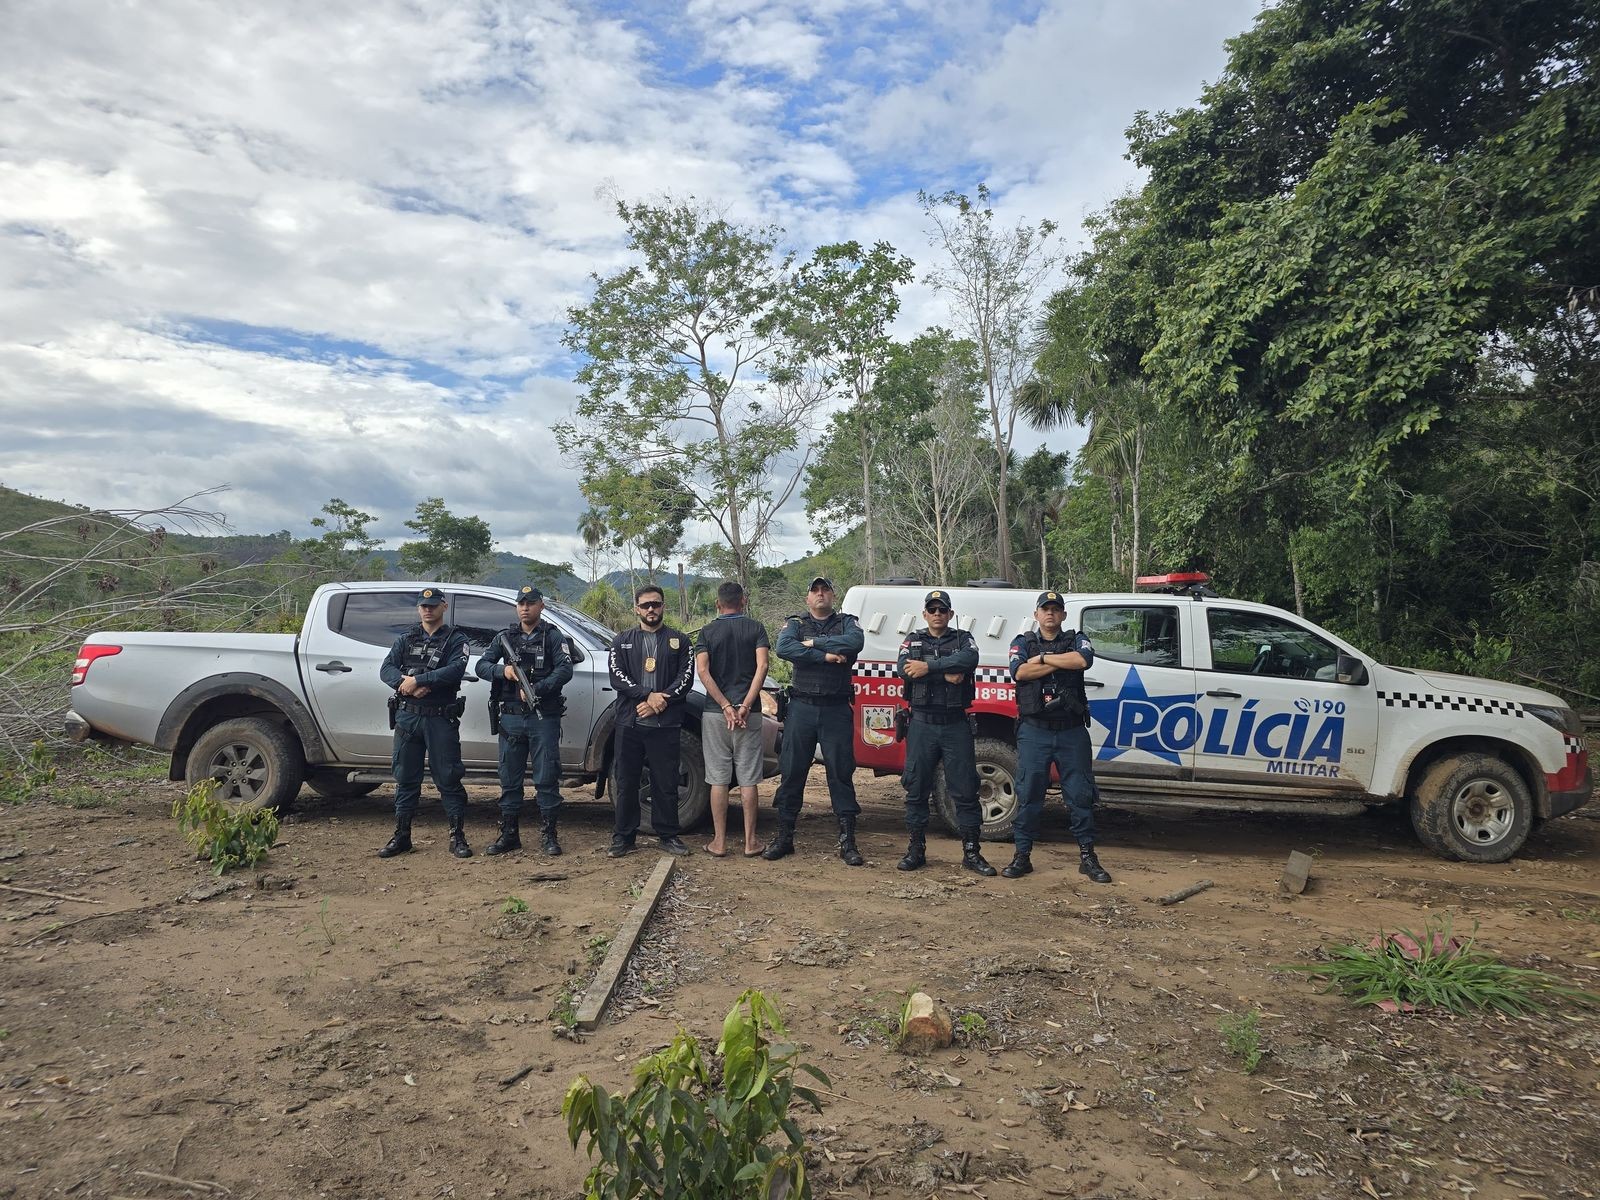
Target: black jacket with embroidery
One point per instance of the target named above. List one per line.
(635, 674)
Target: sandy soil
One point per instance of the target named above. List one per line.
(341, 1026)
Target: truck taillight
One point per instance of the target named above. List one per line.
(86, 656)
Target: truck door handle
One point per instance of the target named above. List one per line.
(1088, 683)
(1224, 694)
(334, 668)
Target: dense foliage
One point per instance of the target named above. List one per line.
(1351, 320)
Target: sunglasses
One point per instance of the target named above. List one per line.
(651, 604)
(935, 609)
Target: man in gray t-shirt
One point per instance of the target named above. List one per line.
(731, 660)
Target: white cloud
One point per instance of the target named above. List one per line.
(429, 178)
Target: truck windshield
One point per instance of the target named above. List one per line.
(597, 633)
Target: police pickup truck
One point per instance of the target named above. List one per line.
(264, 713)
(1202, 702)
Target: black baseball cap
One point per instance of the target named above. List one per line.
(528, 594)
(936, 598)
(822, 582)
(430, 597)
(1049, 598)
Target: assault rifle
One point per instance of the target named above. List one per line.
(515, 664)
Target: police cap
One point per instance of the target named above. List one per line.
(429, 597)
(936, 599)
(528, 594)
(1048, 599)
(821, 584)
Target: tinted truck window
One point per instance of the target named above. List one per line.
(1258, 644)
(481, 618)
(376, 618)
(1135, 633)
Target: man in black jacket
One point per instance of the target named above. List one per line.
(529, 725)
(652, 670)
(425, 667)
(823, 645)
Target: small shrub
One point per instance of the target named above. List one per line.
(514, 904)
(597, 947)
(228, 837)
(1437, 970)
(972, 1028)
(37, 769)
(687, 1130)
(1241, 1035)
(565, 1011)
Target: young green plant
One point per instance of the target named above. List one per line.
(228, 837)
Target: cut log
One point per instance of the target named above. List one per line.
(927, 1026)
(1297, 874)
(1194, 889)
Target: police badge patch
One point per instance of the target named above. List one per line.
(673, 643)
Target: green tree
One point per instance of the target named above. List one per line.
(1041, 494)
(847, 297)
(992, 279)
(641, 511)
(452, 549)
(344, 548)
(690, 365)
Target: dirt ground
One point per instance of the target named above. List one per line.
(340, 1026)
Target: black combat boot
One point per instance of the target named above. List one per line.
(916, 852)
(510, 837)
(1021, 864)
(847, 843)
(458, 839)
(1089, 865)
(782, 843)
(400, 843)
(972, 853)
(547, 836)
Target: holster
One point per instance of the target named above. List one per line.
(394, 704)
(494, 716)
(902, 723)
(455, 711)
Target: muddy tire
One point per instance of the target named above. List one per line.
(335, 786)
(997, 790)
(255, 762)
(1473, 808)
(694, 795)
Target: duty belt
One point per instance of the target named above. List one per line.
(807, 698)
(939, 716)
(516, 708)
(422, 710)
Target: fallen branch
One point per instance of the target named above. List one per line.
(517, 1076)
(199, 1185)
(7, 887)
(1194, 889)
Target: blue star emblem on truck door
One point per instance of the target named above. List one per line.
(1164, 726)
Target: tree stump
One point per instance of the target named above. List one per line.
(927, 1026)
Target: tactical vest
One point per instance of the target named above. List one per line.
(1059, 696)
(421, 657)
(537, 663)
(933, 690)
(823, 679)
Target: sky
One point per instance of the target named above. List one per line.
(308, 250)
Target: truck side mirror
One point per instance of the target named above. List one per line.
(575, 652)
(1351, 670)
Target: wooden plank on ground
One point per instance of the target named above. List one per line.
(605, 979)
(1297, 873)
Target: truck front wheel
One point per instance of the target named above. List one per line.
(1472, 807)
(255, 762)
(997, 790)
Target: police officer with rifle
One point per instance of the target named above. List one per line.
(823, 645)
(1053, 706)
(425, 667)
(527, 666)
(938, 665)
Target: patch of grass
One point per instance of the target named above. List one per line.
(1241, 1037)
(322, 927)
(565, 1010)
(1436, 971)
(1586, 916)
(4, 1034)
(1464, 1088)
(514, 904)
(22, 778)
(83, 796)
(972, 1028)
(597, 947)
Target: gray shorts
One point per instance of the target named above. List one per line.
(732, 755)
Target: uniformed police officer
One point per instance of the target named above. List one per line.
(938, 664)
(529, 725)
(823, 645)
(1053, 708)
(425, 667)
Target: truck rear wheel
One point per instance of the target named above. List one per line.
(1472, 807)
(254, 761)
(997, 790)
(694, 796)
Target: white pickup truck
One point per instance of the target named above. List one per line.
(1198, 701)
(265, 713)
